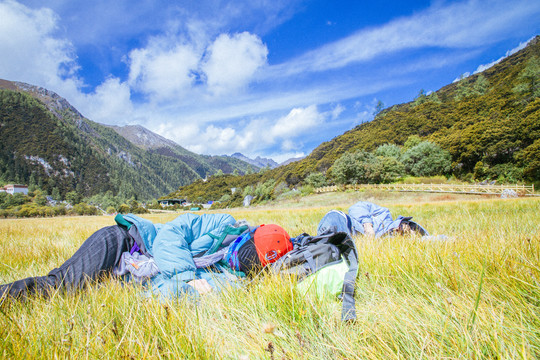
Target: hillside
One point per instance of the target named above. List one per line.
(489, 123)
(482, 118)
(45, 141)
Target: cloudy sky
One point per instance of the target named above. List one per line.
(273, 78)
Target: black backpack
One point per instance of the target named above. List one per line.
(312, 253)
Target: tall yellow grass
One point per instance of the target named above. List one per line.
(476, 295)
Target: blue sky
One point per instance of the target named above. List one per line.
(273, 78)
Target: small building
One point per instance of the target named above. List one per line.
(172, 202)
(15, 188)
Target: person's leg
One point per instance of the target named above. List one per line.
(335, 221)
(96, 257)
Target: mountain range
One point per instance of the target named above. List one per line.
(258, 161)
(204, 165)
(45, 141)
(264, 162)
(489, 122)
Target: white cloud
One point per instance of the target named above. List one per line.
(462, 76)
(365, 111)
(337, 111)
(164, 69)
(39, 57)
(219, 137)
(487, 66)
(185, 134)
(288, 145)
(110, 101)
(297, 121)
(508, 53)
(252, 138)
(459, 25)
(171, 67)
(31, 51)
(232, 61)
(211, 140)
(248, 139)
(364, 116)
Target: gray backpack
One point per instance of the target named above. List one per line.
(310, 254)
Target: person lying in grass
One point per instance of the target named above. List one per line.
(191, 254)
(369, 219)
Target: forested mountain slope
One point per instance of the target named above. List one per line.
(488, 122)
(45, 141)
(490, 119)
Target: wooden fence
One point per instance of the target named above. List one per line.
(519, 190)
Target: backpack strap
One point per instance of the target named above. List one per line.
(218, 240)
(348, 249)
(349, 309)
(309, 258)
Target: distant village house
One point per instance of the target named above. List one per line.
(171, 202)
(14, 188)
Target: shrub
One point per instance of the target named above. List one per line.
(123, 209)
(225, 198)
(84, 209)
(248, 190)
(39, 198)
(505, 173)
(154, 204)
(427, 159)
(139, 210)
(264, 191)
(388, 150)
(8, 201)
(59, 210)
(352, 168)
(27, 211)
(307, 190)
(385, 169)
(281, 188)
(316, 179)
(73, 197)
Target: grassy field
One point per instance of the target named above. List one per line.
(476, 295)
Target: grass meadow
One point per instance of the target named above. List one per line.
(473, 296)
